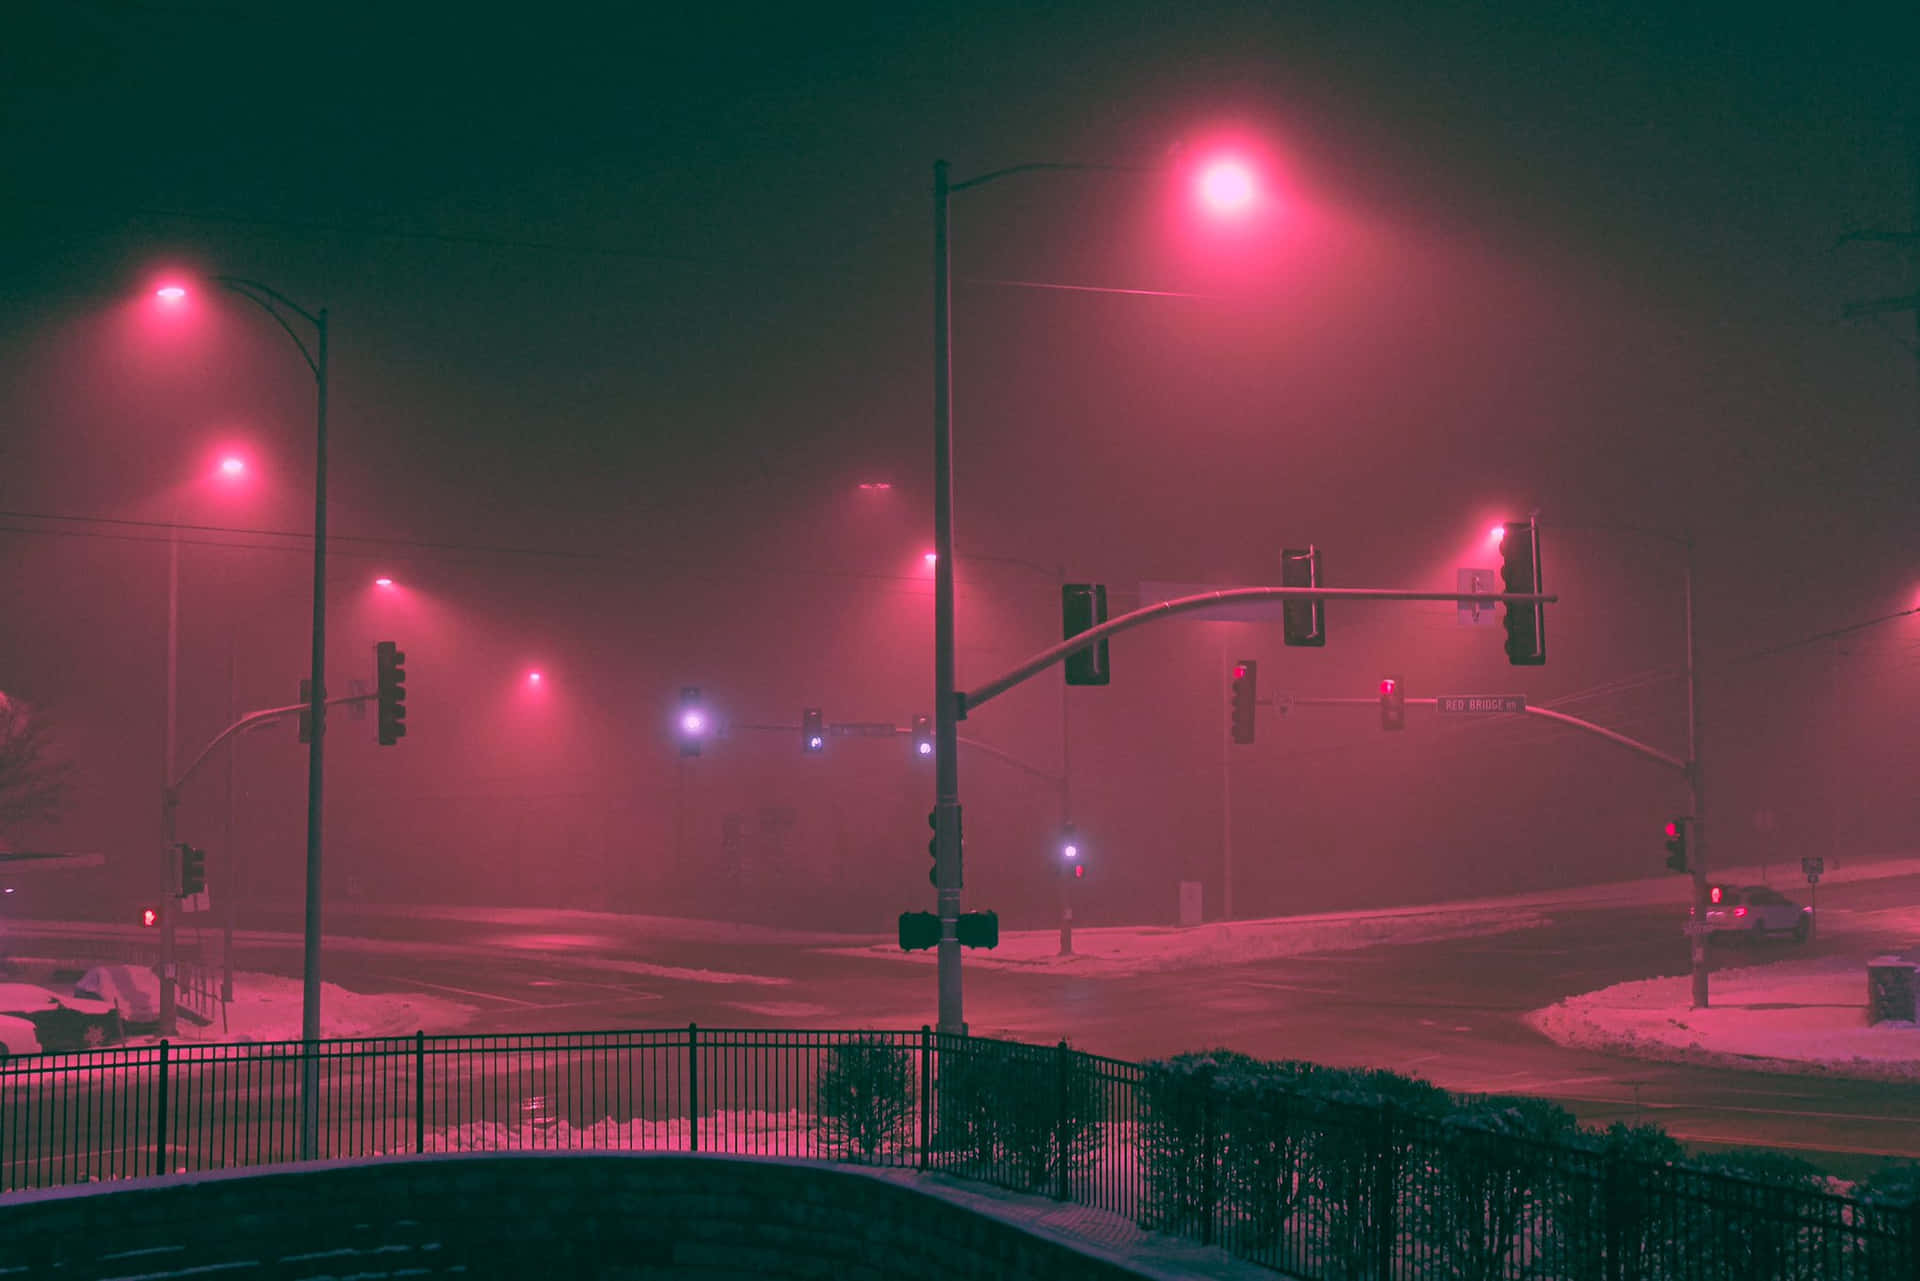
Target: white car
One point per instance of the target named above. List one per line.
(17, 1037)
(1754, 911)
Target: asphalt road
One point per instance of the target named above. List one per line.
(1450, 1011)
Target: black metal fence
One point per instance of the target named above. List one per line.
(1311, 1186)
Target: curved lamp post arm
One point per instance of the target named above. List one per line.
(1045, 166)
(270, 300)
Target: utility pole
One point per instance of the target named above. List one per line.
(1697, 846)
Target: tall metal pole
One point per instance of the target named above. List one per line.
(1226, 804)
(946, 805)
(1697, 844)
(169, 990)
(232, 874)
(317, 713)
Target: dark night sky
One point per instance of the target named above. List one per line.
(624, 307)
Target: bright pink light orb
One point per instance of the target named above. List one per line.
(932, 558)
(533, 678)
(233, 466)
(693, 722)
(1228, 187)
(172, 295)
(383, 582)
(1498, 534)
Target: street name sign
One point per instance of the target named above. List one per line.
(1481, 702)
(862, 729)
(1813, 867)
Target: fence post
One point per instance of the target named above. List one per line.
(1208, 1189)
(926, 1092)
(693, 1087)
(419, 1090)
(160, 1117)
(1060, 1119)
(1384, 1207)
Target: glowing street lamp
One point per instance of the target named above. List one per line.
(383, 581)
(533, 679)
(233, 467)
(171, 295)
(1227, 187)
(1498, 533)
(932, 559)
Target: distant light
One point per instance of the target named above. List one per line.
(926, 749)
(1498, 534)
(815, 742)
(1386, 686)
(1071, 851)
(1227, 186)
(233, 465)
(172, 295)
(932, 558)
(533, 678)
(1080, 869)
(9, 889)
(148, 917)
(1239, 671)
(383, 582)
(693, 722)
(871, 485)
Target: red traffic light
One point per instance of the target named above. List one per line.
(1386, 686)
(149, 917)
(1673, 830)
(1079, 870)
(1713, 895)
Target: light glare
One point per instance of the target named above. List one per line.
(693, 722)
(171, 294)
(1227, 187)
(232, 465)
(383, 582)
(932, 558)
(1498, 534)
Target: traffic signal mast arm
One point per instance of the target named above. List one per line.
(970, 699)
(1631, 744)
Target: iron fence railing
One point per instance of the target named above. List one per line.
(1319, 1187)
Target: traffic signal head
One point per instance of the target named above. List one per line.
(923, 737)
(918, 930)
(1526, 623)
(692, 724)
(1304, 621)
(978, 929)
(1393, 703)
(813, 730)
(1677, 853)
(390, 686)
(1084, 606)
(193, 871)
(149, 917)
(1246, 675)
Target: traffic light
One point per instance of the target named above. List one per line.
(923, 737)
(193, 871)
(1070, 851)
(691, 725)
(1304, 621)
(1678, 856)
(978, 929)
(1393, 703)
(1520, 572)
(1083, 606)
(149, 917)
(390, 688)
(933, 847)
(1246, 675)
(813, 730)
(918, 930)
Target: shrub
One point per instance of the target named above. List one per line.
(865, 1097)
(1026, 1117)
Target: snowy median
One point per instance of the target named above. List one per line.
(1804, 1016)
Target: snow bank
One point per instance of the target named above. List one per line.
(1799, 1016)
(267, 1007)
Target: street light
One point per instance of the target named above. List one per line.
(946, 709)
(280, 307)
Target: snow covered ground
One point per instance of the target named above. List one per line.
(266, 1007)
(1801, 1016)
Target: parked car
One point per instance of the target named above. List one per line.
(1754, 911)
(61, 1022)
(134, 990)
(16, 1037)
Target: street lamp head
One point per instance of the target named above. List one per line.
(383, 581)
(1497, 534)
(533, 678)
(233, 466)
(1227, 187)
(875, 486)
(171, 295)
(932, 558)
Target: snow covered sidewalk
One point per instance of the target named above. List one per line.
(1799, 1016)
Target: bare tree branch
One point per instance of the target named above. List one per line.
(33, 782)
